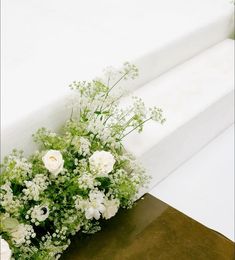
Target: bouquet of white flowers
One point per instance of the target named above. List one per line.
(79, 176)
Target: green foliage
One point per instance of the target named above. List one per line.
(43, 206)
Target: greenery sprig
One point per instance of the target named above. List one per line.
(79, 175)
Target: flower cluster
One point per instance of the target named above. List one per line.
(78, 177)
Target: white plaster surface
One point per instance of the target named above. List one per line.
(47, 44)
(197, 98)
(203, 187)
(184, 92)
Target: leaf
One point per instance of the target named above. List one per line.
(104, 181)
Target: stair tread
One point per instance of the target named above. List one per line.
(203, 187)
(184, 92)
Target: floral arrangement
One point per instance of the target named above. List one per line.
(78, 176)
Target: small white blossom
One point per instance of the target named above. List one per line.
(81, 204)
(94, 210)
(139, 107)
(5, 251)
(21, 234)
(40, 213)
(17, 166)
(94, 207)
(35, 187)
(23, 164)
(95, 126)
(111, 208)
(156, 115)
(82, 145)
(101, 163)
(8, 202)
(86, 181)
(53, 161)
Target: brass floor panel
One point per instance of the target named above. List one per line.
(151, 230)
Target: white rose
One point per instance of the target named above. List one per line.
(53, 161)
(21, 234)
(111, 208)
(5, 251)
(102, 162)
(18, 234)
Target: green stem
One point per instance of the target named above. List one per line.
(71, 115)
(128, 123)
(114, 101)
(119, 119)
(108, 81)
(136, 128)
(121, 78)
(107, 118)
(128, 112)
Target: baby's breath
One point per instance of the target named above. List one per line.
(79, 175)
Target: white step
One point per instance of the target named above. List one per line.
(190, 94)
(48, 44)
(203, 187)
(197, 99)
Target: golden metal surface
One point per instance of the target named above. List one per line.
(151, 230)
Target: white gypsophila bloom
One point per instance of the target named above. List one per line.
(95, 126)
(21, 234)
(110, 74)
(19, 163)
(100, 130)
(111, 208)
(5, 251)
(105, 135)
(35, 187)
(94, 104)
(8, 191)
(8, 202)
(101, 163)
(18, 167)
(53, 161)
(86, 181)
(96, 195)
(54, 249)
(82, 145)
(139, 106)
(156, 115)
(81, 204)
(40, 213)
(32, 191)
(23, 164)
(81, 166)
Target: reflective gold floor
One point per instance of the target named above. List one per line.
(151, 230)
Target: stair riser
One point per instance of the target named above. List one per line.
(187, 140)
(19, 135)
